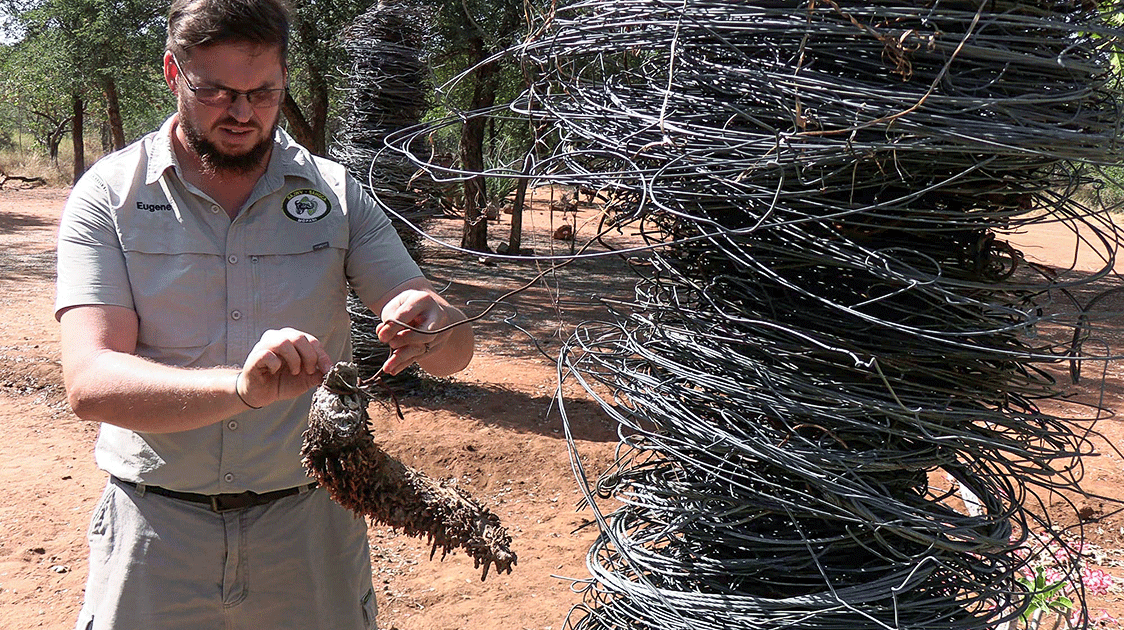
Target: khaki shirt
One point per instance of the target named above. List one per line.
(205, 288)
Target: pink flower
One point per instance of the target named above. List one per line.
(1096, 581)
(1103, 620)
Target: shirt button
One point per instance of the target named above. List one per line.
(228, 477)
(232, 425)
(214, 209)
(232, 259)
(236, 315)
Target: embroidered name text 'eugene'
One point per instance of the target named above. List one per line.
(154, 207)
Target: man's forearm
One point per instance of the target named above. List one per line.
(107, 382)
(134, 393)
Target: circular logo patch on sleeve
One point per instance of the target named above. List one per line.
(306, 205)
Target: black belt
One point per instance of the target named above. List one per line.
(222, 502)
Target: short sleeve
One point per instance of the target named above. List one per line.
(377, 261)
(91, 264)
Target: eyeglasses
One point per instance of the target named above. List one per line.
(260, 98)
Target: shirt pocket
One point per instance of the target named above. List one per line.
(302, 288)
(179, 294)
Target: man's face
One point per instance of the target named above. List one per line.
(235, 138)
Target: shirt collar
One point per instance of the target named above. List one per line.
(288, 159)
(161, 157)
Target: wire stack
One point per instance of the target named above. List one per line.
(386, 92)
(829, 320)
(833, 316)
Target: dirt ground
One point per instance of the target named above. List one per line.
(493, 427)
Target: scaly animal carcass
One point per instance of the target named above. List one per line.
(339, 451)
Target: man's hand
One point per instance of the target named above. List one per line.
(422, 310)
(417, 309)
(283, 364)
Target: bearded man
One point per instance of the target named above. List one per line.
(202, 285)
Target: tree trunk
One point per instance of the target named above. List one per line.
(475, 235)
(113, 113)
(298, 124)
(515, 241)
(76, 137)
(54, 135)
(53, 142)
(317, 119)
(318, 110)
(319, 113)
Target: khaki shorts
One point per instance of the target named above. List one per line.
(161, 564)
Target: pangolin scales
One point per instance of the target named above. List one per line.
(339, 451)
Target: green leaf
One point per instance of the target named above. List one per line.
(1062, 604)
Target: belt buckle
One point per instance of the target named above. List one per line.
(229, 502)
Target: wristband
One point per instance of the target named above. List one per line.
(239, 394)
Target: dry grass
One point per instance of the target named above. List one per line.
(33, 162)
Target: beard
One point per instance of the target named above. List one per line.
(214, 160)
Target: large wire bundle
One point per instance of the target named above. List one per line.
(386, 92)
(829, 316)
(834, 318)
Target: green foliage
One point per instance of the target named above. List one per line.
(317, 28)
(82, 48)
(1113, 13)
(318, 60)
(59, 49)
(465, 51)
(1045, 596)
(99, 38)
(33, 72)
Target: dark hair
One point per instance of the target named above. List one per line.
(194, 23)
